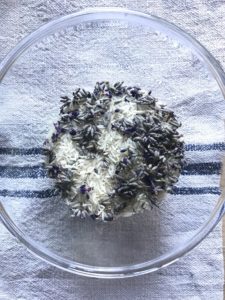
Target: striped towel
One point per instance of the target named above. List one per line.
(24, 187)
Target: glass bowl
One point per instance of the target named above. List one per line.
(77, 50)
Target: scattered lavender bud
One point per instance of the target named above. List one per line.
(73, 132)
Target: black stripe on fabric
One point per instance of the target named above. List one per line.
(39, 172)
(195, 191)
(40, 151)
(52, 192)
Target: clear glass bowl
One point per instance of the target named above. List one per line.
(76, 51)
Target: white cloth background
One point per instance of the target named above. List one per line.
(196, 276)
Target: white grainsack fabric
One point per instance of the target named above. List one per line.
(199, 275)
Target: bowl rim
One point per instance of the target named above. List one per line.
(102, 13)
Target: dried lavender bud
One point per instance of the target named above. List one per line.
(83, 189)
(73, 132)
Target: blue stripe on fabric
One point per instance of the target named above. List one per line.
(195, 191)
(205, 147)
(21, 151)
(39, 172)
(29, 194)
(39, 150)
(22, 172)
(53, 192)
(208, 168)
